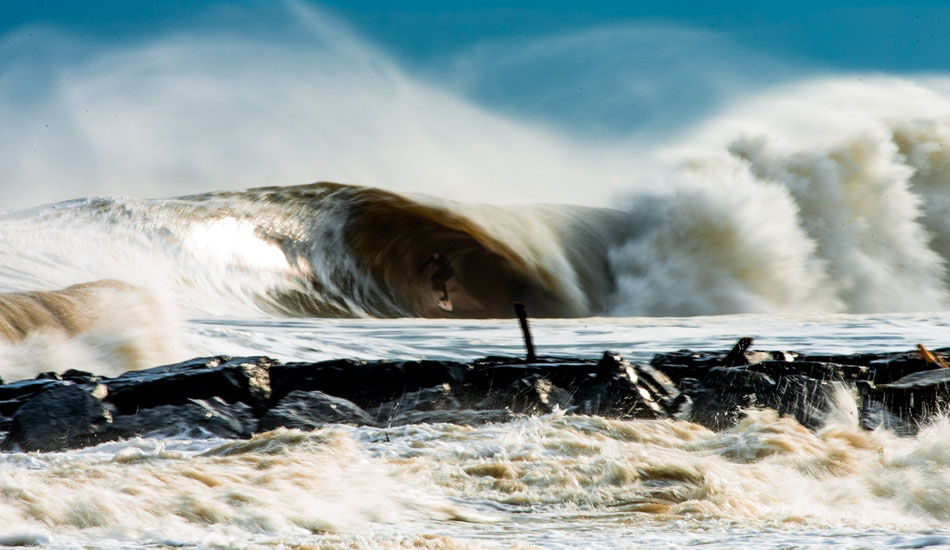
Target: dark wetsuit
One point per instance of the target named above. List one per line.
(443, 272)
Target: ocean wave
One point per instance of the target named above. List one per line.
(825, 197)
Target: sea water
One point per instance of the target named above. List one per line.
(553, 481)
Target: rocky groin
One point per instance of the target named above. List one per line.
(238, 397)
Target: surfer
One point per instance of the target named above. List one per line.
(443, 272)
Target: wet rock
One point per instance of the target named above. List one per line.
(243, 380)
(565, 373)
(79, 376)
(366, 383)
(694, 364)
(808, 399)
(195, 419)
(720, 398)
(14, 394)
(233, 398)
(532, 394)
(856, 359)
(895, 366)
(881, 368)
(307, 410)
(908, 402)
(810, 369)
(625, 390)
(59, 418)
(438, 398)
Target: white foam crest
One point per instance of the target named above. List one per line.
(824, 196)
(856, 204)
(105, 328)
(720, 242)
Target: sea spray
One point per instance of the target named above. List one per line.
(106, 327)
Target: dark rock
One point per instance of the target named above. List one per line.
(874, 414)
(692, 364)
(438, 398)
(307, 410)
(79, 376)
(366, 383)
(195, 419)
(60, 418)
(660, 389)
(532, 394)
(809, 400)
(565, 374)
(894, 366)
(736, 356)
(856, 359)
(14, 394)
(905, 404)
(224, 397)
(810, 369)
(720, 398)
(694, 360)
(243, 380)
(627, 390)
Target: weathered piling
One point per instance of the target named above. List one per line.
(522, 312)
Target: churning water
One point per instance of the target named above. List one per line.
(555, 481)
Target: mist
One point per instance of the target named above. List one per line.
(288, 94)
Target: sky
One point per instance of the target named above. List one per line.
(892, 36)
(160, 97)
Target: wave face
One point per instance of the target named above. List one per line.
(329, 250)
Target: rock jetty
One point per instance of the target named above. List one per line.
(238, 397)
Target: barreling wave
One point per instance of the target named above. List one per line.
(333, 250)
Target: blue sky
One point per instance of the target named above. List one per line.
(754, 43)
(164, 92)
(892, 36)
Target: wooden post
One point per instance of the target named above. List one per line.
(522, 314)
(736, 356)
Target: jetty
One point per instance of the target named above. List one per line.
(237, 397)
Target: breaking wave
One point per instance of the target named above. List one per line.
(828, 196)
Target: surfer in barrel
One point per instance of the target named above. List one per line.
(442, 273)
